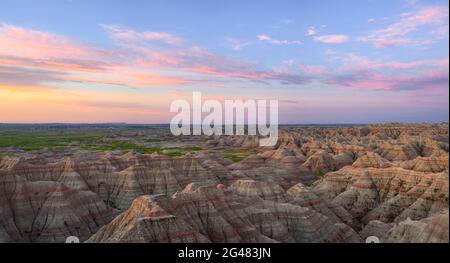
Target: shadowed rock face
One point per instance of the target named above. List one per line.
(315, 185)
(48, 211)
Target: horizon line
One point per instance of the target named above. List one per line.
(128, 123)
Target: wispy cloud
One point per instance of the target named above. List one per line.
(362, 73)
(332, 39)
(26, 79)
(372, 80)
(29, 48)
(288, 62)
(311, 31)
(121, 33)
(313, 69)
(236, 44)
(399, 32)
(273, 41)
(40, 45)
(133, 60)
(45, 57)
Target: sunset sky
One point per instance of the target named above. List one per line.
(358, 61)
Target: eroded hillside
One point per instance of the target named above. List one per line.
(339, 184)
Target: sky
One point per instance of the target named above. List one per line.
(88, 61)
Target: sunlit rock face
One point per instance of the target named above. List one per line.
(315, 185)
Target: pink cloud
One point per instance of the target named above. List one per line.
(231, 73)
(313, 69)
(63, 59)
(413, 64)
(200, 61)
(158, 59)
(20, 47)
(398, 33)
(356, 63)
(139, 65)
(360, 72)
(133, 64)
(384, 43)
(371, 79)
(374, 83)
(427, 15)
(57, 64)
(332, 39)
(20, 42)
(126, 76)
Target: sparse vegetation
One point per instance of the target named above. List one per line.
(173, 154)
(164, 139)
(236, 155)
(125, 146)
(319, 174)
(233, 157)
(6, 154)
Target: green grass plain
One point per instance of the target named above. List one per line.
(93, 141)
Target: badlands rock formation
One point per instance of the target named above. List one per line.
(339, 184)
(216, 214)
